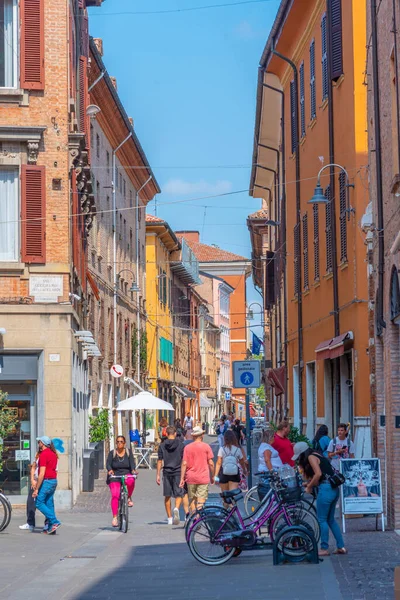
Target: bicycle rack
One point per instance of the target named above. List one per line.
(285, 555)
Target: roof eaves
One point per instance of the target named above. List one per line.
(168, 229)
(113, 91)
(275, 32)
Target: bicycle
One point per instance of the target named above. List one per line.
(215, 537)
(5, 511)
(123, 509)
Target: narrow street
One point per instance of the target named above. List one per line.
(87, 559)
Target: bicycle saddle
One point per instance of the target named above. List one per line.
(230, 494)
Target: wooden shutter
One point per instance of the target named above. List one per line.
(328, 230)
(343, 215)
(32, 44)
(306, 282)
(336, 39)
(316, 242)
(313, 101)
(33, 214)
(72, 59)
(293, 116)
(324, 59)
(84, 37)
(296, 258)
(75, 224)
(302, 102)
(82, 93)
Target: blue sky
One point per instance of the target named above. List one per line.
(189, 82)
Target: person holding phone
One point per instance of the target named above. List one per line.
(340, 447)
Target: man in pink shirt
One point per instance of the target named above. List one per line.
(197, 469)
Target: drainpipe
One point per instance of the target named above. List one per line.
(138, 271)
(277, 181)
(378, 167)
(332, 207)
(283, 231)
(298, 222)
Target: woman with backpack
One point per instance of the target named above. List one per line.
(320, 474)
(321, 441)
(230, 456)
(120, 462)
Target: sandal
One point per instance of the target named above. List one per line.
(340, 551)
(114, 522)
(323, 553)
(130, 503)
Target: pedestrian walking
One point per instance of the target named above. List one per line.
(30, 501)
(188, 425)
(340, 447)
(222, 427)
(197, 469)
(230, 456)
(180, 432)
(120, 462)
(318, 470)
(170, 455)
(268, 456)
(47, 483)
(238, 430)
(162, 429)
(282, 444)
(321, 441)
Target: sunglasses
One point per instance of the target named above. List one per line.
(120, 442)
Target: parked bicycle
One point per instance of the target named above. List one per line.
(5, 511)
(217, 534)
(123, 510)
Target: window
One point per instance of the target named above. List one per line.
(316, 242)
(302, 102)
(166, 351)
(131, 198)
(305, 252)
(395, 117)
(139, 209)
(293, 119)
(343, 217)
(131, 245)
(124, 188)
(324, 60)
(9, 209)
(108, 161)
(97, 145)
(9, 50)
(336, 37)
(394, 295)
(328, 230)
(313, 100)
(296, 232)
(98, 192)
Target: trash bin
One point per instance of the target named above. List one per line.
(88, 470)
(95, 447)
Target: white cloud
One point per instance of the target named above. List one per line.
(179, 187)
(245, 31)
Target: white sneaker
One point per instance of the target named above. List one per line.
(26, 527)
(169, 520)
(176, 518)
(46, 527)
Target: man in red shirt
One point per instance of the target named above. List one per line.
(282, 444)
(197, 469)
(47, 482)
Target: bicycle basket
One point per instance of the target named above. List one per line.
(290, 495)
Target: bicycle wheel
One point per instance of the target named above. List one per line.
(209, 509)
(5, 512)
(201, 540)
(123, 514)
(251, 501)
(295, 515)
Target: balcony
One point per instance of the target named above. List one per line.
(185, 264)
(205, 382)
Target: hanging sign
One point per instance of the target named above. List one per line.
(116, 371)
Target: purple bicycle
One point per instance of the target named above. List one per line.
(218, 534)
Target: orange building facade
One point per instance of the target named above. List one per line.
(311, 112)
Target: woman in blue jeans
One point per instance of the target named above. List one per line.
(47, 483)
(317, 469)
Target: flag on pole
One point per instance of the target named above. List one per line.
(256, 345)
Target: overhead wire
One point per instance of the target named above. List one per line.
(179, 10)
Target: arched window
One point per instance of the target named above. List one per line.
(394, 296)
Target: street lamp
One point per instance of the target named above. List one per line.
(272, 223)
(250, 314)
(134, 287)
(319, 196)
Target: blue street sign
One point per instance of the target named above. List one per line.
(246, 373)
(227, 395)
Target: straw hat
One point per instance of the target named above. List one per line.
(196, 431)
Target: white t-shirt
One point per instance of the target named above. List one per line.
(232, 451)
(337, 444)
(188, 423)
(275, 458)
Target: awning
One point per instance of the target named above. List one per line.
(277, 378)
(334, 347)
(93, 285)
(205, 402)
(182, 391)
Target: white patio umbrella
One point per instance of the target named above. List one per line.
(144, 401)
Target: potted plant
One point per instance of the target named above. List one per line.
(99, 432)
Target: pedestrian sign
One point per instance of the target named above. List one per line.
(246, 373)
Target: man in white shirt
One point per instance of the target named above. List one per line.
(340, 447)
(188, 425)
